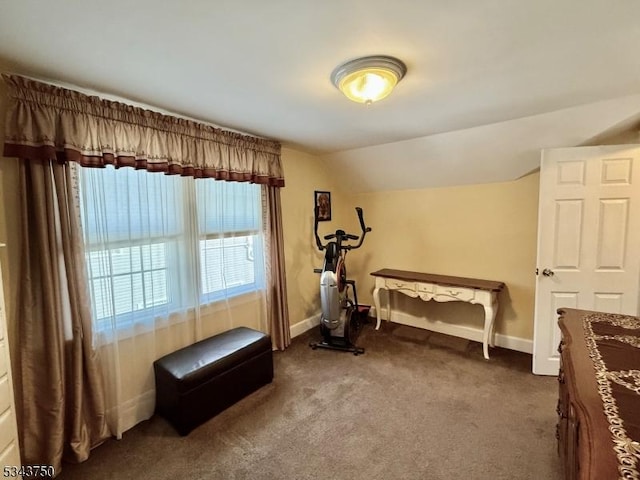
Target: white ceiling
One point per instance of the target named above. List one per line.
(487, 79)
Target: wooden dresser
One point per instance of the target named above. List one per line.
(599, 395)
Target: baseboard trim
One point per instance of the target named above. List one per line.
(470, 333)
(132, 412)
(304, 325)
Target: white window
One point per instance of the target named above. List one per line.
(157, 244)
(230, 226)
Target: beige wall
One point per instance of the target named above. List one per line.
(479, 231)
(303, 175)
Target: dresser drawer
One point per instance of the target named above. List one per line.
(425, 287)
(394, 284)
(462, 294)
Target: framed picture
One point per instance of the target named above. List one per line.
(323, 205)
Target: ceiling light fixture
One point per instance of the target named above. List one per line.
(368, 79)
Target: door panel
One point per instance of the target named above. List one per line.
(608, 302)
(588, 238)
(567, 235)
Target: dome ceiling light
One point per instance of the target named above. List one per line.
(368, 79)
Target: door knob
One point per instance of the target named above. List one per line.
(547, 272)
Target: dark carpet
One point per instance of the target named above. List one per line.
(416, 405)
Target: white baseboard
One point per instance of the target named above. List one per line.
(304, 325)
(470, 333)
(132, 412)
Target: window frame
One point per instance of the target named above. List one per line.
(127, 319)
(258, 283)
(187, 233)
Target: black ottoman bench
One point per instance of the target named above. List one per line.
(197, 382)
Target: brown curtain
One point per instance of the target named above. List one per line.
(47, 127)
(62, 409)
(48, 122)
(277, 310)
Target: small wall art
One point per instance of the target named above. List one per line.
(323, 205)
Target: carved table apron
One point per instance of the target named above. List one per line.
(442, 288)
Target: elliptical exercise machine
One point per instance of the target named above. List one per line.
(342, 318)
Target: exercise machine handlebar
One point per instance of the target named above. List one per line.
(341, 235)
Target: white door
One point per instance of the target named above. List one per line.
(588, 239)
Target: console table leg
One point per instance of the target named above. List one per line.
(376, 302)
(489, 317)
(493, 323)
(388, 305)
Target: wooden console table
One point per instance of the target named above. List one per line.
(442, 288)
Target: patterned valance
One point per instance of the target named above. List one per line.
(49, 122)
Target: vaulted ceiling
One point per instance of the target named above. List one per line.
(489, 82)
